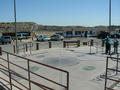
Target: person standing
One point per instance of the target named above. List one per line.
(108, 45)
(116, 43)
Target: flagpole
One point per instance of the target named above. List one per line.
(15, 25)
(109, 16)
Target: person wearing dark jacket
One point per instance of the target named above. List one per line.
(116, 43)
(108, 45)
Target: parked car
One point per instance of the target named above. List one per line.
(103, 35)
(43, 38)
(57, 37)
(5, 39)
(116, 34)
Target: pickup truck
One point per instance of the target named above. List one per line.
(5, 39)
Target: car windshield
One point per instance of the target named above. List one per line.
(55, 36)
(43, 36)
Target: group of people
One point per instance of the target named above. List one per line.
(108, 45)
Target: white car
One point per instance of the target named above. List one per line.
(43, 38)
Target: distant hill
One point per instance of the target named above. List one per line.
(31, 26)
(21, 26)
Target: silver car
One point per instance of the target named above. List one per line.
(57, 37)
(43, 38)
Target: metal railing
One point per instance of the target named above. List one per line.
(7, 68)
(33, 46)
(115, 69)
(23, 47)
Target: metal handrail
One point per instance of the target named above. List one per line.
(15, 73)
(116, 70)
(12, 78)
(28, 70)
(36, 62)
(25, 46)
(12, 84)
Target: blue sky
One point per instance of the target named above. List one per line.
(61, 12)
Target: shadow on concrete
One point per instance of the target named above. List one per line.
(3, 86)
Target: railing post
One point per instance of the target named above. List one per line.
(106, 74)
(20, 40)
(9, 71)
(67, 80)
(97, 48)
(30, 47)
(0, 51)
(37, 46)
(90, 47)
(26, 47)
(64, 44)
(14, 49)
(78, 43)
(102, 45)
(17, 51)
(29, 75)
(91, 42)
(50, 44)
(117, 64)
